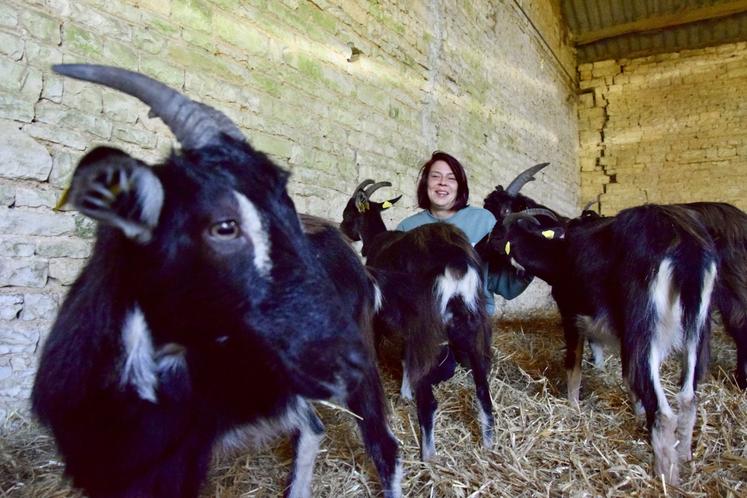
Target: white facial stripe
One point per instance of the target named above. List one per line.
(449, 285)
(140, 367)
(251, 224)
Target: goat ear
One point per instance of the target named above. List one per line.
(113, 188)
(390, 202)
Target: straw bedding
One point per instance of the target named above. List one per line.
(544, 447)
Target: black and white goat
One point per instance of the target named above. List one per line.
(727, 227)
(644, 279)
(199, 314)
(726, 224)
(430, 279)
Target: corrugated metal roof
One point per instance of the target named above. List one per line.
(607, 29)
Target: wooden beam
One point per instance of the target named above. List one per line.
(663, 21)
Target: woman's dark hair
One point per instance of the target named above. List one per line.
(462, 195)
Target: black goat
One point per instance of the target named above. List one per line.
(502, 203)
(199, 314)
(727, 227)
(431, 286)
(643, 278)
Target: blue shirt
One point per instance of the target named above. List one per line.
(476, 223)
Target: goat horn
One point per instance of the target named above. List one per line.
(528, 214)
(524, 177)
(588, 205)
(376, 186)
(193, 124)
(363, 184)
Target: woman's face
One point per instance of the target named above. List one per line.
(442, 187)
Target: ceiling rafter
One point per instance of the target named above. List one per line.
(663, 21)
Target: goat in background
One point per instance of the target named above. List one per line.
(431, 287)
(643, 279)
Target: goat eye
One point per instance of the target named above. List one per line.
(505, 211)
(225, 230)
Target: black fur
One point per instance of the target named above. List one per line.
(250, 343)
(604, 268)
(407, 266)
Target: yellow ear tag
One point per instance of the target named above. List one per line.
(507, 249)
(549, 234)
(63, 199)
(386, 205)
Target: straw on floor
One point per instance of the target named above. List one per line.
(544, 446)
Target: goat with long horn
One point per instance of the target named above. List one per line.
(199, 314)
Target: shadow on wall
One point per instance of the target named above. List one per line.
(534, 303)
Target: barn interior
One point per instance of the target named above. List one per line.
(635, 102)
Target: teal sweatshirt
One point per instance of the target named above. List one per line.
(476, 223)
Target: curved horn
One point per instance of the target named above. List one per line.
(193, 124)
(376, 186)
(588, 205)
(524, 177)
(528, 214)
(363, 184)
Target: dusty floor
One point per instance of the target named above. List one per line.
(544, 446)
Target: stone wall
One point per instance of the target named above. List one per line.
(336, 91)
(667, 128)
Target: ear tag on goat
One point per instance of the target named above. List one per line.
(507, 248)
(548, 234)
(386, 205)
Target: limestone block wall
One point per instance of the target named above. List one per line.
(664, 129)
(334, 90)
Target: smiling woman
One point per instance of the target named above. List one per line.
(443, 194)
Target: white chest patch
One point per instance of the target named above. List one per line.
(140, 368)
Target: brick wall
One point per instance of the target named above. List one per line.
(474, 78)
(669, 128)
